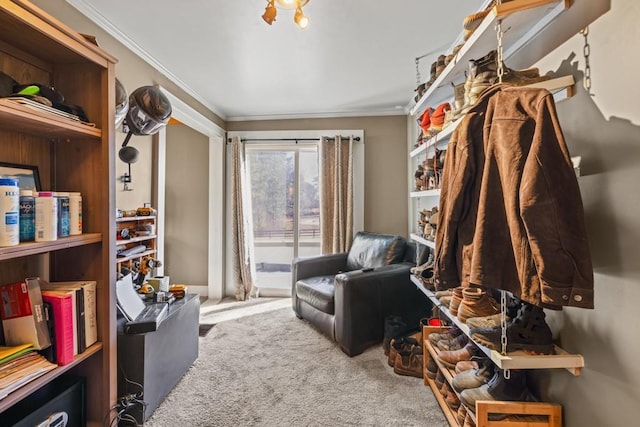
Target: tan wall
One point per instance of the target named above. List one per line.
(385, 198)
(133, 72)
(187, 203)
(604, 130)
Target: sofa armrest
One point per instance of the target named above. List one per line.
(363, 299)
(321, 265)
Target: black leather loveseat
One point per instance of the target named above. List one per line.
(347, 296)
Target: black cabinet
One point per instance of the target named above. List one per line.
(154, 362)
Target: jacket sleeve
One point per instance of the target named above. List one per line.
(457, 171)
(553, 216)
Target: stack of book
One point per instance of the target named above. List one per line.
(19, 365)
(58, 320)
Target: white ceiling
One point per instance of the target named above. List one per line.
(357, 57)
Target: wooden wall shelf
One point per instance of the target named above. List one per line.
(516, 360)
(522, 20)
(21, 118)
(33, 248)
(34, 385)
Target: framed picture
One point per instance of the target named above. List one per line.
(27, 175)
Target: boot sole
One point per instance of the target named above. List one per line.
(407, 373)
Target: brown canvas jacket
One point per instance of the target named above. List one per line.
(511, 214)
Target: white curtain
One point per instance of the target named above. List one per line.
(241, 224)
(336, 194)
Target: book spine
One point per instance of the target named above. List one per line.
(90, 318)
(80, 320)
(63, 326)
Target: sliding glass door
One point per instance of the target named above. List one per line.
(286, 208)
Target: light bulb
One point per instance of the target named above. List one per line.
(301, 19)
(287, 3)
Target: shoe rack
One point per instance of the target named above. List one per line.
(516, 414)
(532, 29)
(515, 360)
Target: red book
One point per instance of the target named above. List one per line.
(22, 314)
(63, 324)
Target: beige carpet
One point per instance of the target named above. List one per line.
(272, 369)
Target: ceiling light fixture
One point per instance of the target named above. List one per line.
(270, 12)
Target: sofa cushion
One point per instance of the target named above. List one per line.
(372, 250)
(318, 292)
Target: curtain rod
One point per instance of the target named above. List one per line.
(355, 138)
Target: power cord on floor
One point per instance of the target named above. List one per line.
(118, 416)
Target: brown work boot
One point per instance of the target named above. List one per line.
(439, 380)
(456, 299)
(465, 365)
(474, 377)
(403, 344)
(492, 321)
(476, 302)
(453, 332)
(450, 358)
(409, 363)
(454, 343)
(523, 77)
(482, 74)
(450, 396)
(432, 367)
(468, 421)
(499, 388)
(461, 414)
(485, 321)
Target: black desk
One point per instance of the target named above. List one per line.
(157, 360)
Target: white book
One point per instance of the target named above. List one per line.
(90, 311)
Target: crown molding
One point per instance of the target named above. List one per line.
(330, 115)
(100, 20)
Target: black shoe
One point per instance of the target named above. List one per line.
(527, 331)
(394, 327)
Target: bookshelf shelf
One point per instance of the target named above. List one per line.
(34, 385)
